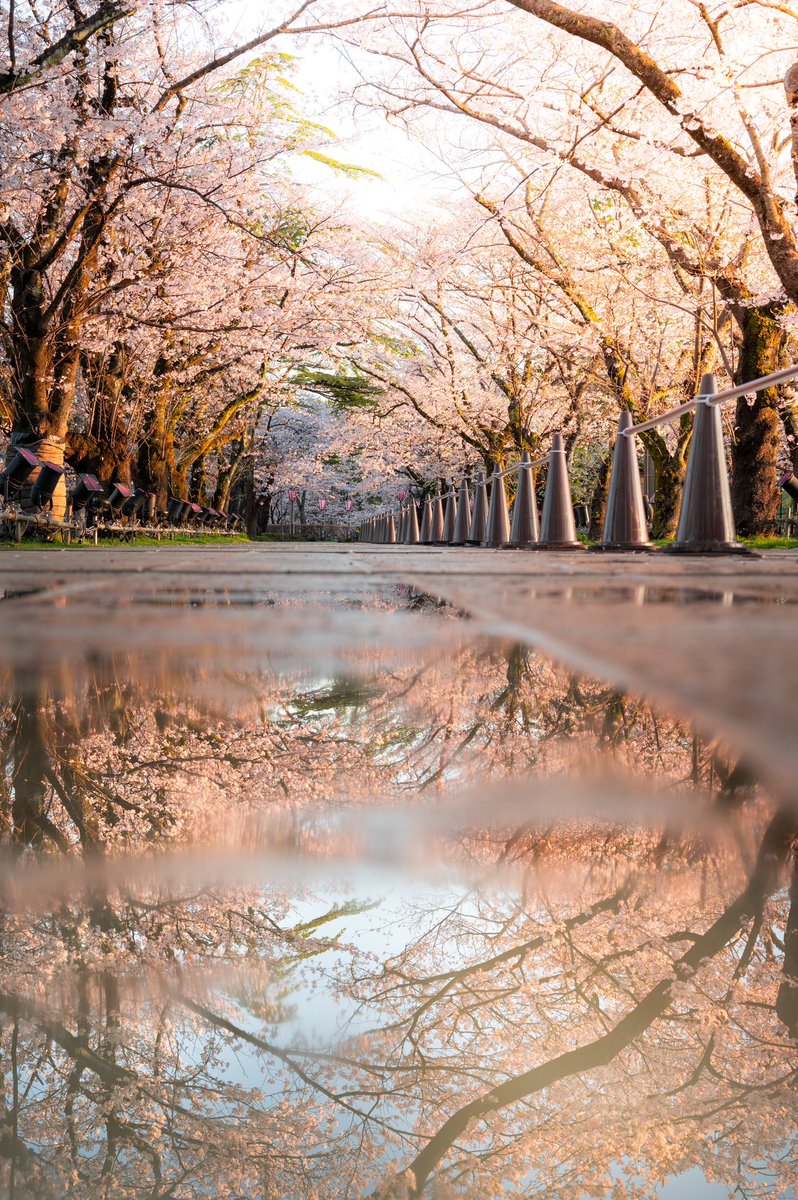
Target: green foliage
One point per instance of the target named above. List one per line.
(168, 539)
(343, 389)
(292, 231)
(265, 81)
(401, 346)
(771, 543)
(351, 170)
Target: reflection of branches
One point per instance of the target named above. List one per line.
(77, 1048)
(512, 955)
(133, 1093)
(600, 1052)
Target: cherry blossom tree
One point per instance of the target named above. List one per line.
(697, 155)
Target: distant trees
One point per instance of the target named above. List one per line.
(678, 118)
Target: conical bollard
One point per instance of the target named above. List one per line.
(498, 528)
(436, 532)
(390, 530)
(557, 526)
(525, 529)
(479, 517)
(400, 532)
(462, 526)
(411, 525)
(425, 537)
(625, 525)
(706, 524)
(450, 516)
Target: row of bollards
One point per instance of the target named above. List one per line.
(486, 522)
(706, 525)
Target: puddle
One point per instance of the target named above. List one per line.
(376, 904)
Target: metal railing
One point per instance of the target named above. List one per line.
(742, 389)
(706, 524)
(526, 466)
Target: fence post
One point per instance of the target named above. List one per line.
(706, 523)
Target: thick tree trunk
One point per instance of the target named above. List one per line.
(669, 472)
(669, 477)
(31, 351)
(156, 457)
(226, 474)
(104, 448)
(755, 448)
(199, 481)
(39, 422)
(243, 496)
(598, 501)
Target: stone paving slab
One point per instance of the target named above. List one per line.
(713, 638)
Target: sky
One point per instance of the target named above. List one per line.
(413, 179)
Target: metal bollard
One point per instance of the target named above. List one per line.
(625, 525)
(498, 527)
(706, 523)
(557, 526)
(462, 525)
(479, 516)
(525, 528)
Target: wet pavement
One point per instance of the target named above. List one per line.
(336, 871)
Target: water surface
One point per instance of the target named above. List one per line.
(377, 903)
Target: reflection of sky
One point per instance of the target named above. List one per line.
(321, 1016)
(692, 1183)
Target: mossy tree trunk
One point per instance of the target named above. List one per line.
(104, 447)
(755, 446)
(669, 471)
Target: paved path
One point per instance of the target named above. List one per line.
(715, 639)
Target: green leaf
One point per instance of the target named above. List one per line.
(351, 170)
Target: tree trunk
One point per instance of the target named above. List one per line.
(31, 352)
(669, 470)
(156, 457)
(243, 496)
(104, 448)
(598, 501)
(199, 481)
(226, 473)
(755, 448)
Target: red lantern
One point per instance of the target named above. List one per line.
(322, 504)
(349, 506)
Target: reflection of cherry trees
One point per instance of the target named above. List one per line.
(626, 999)
(576, 1037)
